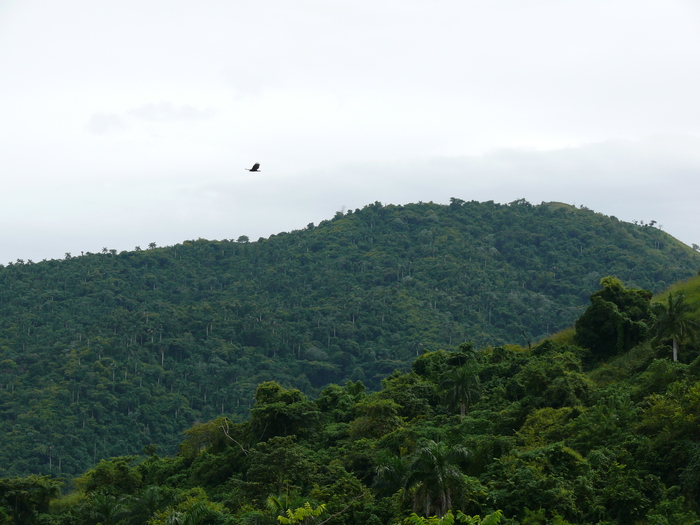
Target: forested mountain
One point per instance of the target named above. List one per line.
(102, 354)
(555, 434)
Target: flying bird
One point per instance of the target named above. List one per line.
(256, 167)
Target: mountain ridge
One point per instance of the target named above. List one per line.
(104, 353)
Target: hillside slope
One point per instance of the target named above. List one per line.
(105, 353)
(516, 435)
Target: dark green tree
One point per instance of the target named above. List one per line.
(617, 319)
(435, 477)
(142, 507)
(390, 474)
(105, 509)
(461, 387)
(674, 320)
(24, 499)
(282, 412)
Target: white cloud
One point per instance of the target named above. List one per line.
(101, 123)
(168, 112)
(123, 119)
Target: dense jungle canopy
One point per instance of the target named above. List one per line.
(103, 354)
(555, 434)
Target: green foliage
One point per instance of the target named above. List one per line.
(544, 426)
(205, 436)
(282, 412)
(602, 425)
(451, 519)
(462, 387)
(235, 343)
(625, 453)
(435, 478)
(116, 476)
(617, 320)
(23, 500)
(305, 515)
(539, 517)
(336, 401)
(553, 477)
(672, 510)
(280, 464)
(554, 377)
(103, 354)
(376, 417)
(194, 509)
(674, 320)
(431, 365)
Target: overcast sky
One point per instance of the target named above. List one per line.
(128, 122)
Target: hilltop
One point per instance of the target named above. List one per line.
(105, 353)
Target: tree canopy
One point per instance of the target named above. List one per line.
(106, 353)
(550, 439)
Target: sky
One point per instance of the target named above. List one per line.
(127, 122)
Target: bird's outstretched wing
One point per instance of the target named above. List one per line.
(256, 167)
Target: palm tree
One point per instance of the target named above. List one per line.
(673, 321)
(391, 472)
(435, 477)
(275, 506)
(461, 387)
(193, 515)
(147, 502)
(106, 509)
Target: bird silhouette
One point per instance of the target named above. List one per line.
(256, 167)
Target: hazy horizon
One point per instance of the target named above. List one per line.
(125, 123)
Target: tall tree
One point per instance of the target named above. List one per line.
(390, 473)
(461, 387)
(105, 509)
(617, 319)
(435, 477)
(674, 321)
